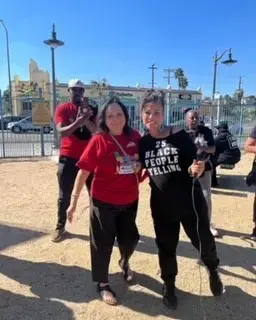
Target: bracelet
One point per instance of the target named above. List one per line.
(75, 195)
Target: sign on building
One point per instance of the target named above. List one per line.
(41, 113)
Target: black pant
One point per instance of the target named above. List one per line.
(254, 209)
(108, 222)
(167, 231)
(214, 176)
(67, 172)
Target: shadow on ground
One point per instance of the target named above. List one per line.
(230, 255)
(71, 283)
(234, 183)
(16, 306)
(12, 235)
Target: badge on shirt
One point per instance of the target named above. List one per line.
(125, 164)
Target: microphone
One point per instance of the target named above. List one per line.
(201, 144)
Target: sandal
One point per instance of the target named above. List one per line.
(107, 294)
(126, 271)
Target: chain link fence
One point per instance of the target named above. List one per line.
(26, 140)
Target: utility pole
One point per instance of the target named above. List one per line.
(240, 83)
(168, 71)
(240, 90)
(153, 68)
(240, 97)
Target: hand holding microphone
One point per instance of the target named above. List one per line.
(198, 166)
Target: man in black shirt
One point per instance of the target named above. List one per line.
(227, 151)
(198, 131)
(250, 146)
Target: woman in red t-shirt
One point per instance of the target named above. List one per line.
(112, 155)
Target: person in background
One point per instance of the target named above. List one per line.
(195, 130)
(227, 150)
(168, 155)
(75, 121)
(112, 154)
(250, 146)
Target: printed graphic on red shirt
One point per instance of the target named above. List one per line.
(126, 164)
(114, 179)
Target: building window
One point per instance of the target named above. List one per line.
(27, 107)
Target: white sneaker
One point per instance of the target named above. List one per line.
(214, 231)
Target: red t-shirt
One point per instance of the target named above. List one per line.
(71, 146)
(114, 180)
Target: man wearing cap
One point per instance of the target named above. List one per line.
(227, 150)
(75, 122)
(196, 130)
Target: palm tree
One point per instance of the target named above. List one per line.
(99, 87)
(180, 77)
(183, 83)
(6, 95)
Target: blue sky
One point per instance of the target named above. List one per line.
(118, 40)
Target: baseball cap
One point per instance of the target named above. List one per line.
(222, 125)
(76, 83)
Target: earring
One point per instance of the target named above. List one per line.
(161, 127)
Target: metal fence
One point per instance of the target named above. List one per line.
(240, 118)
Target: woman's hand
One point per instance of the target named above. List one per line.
(197, 168)
(70, 211)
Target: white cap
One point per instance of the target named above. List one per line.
(76, 83)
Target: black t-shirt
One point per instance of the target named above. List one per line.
(167, 161)
(207, 134)
(227, 150)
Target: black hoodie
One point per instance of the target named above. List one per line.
(227, 150)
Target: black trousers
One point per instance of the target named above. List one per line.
(214, 176)
(167, 230)
(108, 222)
(67, 172)
(254, 208)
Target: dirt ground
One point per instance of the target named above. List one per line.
(42, 280)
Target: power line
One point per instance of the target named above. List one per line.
(168, 71)
(153, 68)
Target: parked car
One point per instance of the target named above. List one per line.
(7, 119)
(25, 125)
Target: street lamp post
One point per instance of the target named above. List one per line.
(54, 43)
(229, 61)
(8, 64)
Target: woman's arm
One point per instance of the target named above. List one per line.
(250, 145)
(78, 186)
(79, 183)
(143, 176)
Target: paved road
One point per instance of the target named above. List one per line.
(24, 145)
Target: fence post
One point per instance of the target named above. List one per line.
(2, 123)
(240, 124)
(42, 141)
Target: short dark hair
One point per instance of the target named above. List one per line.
(102, 117)
(153, 96)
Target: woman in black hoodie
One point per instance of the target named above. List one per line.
(227, 150)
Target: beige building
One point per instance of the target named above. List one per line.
(39, 88)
